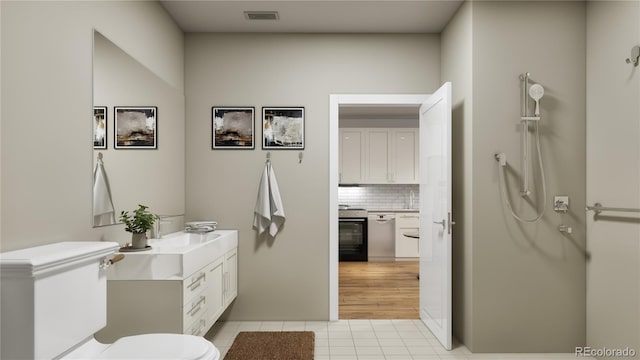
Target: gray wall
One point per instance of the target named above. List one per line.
(613, 175)
(47, 109)
(522, 286)
(285, 279)
(456, 66)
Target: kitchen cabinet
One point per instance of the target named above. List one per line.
(379, 155)
(351, 153)
(405, 152)
(407, 248)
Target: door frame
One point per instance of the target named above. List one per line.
(335, 100)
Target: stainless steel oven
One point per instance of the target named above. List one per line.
(352, 238)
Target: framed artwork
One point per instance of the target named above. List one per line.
(136, 127)
(232, 128)
(99, 127)
(283, 128)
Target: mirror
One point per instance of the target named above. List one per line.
(143, 157)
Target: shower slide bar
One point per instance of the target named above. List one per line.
(598, 208)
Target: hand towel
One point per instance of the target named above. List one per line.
(269, 211)
(103, 210)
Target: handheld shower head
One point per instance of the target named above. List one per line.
(536, 91)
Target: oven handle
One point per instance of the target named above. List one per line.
(352, 220)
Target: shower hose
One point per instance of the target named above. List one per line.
(503, 183)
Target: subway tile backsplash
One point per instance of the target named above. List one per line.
(378, 197)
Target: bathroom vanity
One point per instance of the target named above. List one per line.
(182, 285)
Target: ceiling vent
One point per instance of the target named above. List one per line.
(261, 15)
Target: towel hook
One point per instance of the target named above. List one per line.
(635, 56)
(268, 156)
(300, 156)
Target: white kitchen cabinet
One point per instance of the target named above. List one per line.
(351, 152)
(379, 155)
(404, 167)
(407, 248)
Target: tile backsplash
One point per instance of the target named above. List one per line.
(379, 197)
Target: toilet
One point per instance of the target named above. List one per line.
(54, 298)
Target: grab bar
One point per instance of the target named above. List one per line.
(598, 208)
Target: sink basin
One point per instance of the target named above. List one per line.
(174, 257)
(181, 241)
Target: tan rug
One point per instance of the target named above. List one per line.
(272, 345)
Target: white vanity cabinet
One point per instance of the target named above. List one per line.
(407, 248)
(183, 305)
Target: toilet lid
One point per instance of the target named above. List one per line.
(161, 346)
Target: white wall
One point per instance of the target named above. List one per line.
(613, 175)
(47, 107)
(287, 278)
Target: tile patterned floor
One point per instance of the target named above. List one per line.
(367, 340)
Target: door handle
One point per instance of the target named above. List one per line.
(443, 223)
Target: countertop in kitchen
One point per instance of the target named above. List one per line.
(393, 210)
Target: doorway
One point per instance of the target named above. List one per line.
(336, 102)
(435, 203)
(378, 197)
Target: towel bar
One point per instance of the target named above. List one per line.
(598, 208)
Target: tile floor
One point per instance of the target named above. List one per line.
(366, 340)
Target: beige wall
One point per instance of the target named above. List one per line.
(456, 66)
(613, 175)
(517, 288)
(287, 278)
(528, 280)
(47, 107)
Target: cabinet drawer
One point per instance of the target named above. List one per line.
(193, 285)
(194, 310)
(407, 220)
(198, 328)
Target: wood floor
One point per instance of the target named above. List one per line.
(378, 290)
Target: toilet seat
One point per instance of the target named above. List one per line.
(161, 346)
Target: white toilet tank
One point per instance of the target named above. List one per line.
(53, 297)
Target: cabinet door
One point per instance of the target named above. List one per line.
(405, 156)
(231, 276)
(378, 144)
(351, 156)
(407, 247)
(215, 290)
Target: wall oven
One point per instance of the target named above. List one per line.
(352, 237)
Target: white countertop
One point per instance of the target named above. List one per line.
(393, 210)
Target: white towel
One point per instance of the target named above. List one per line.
(269, 211)
(103, 211)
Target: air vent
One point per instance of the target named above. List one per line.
(261, 15)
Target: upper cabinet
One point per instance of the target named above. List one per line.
(351, 156)
(404, 167)
(379, 156)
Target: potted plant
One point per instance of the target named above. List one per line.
(138, 225)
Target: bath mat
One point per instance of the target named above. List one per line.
(272, 345)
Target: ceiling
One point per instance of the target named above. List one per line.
(313, 16)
